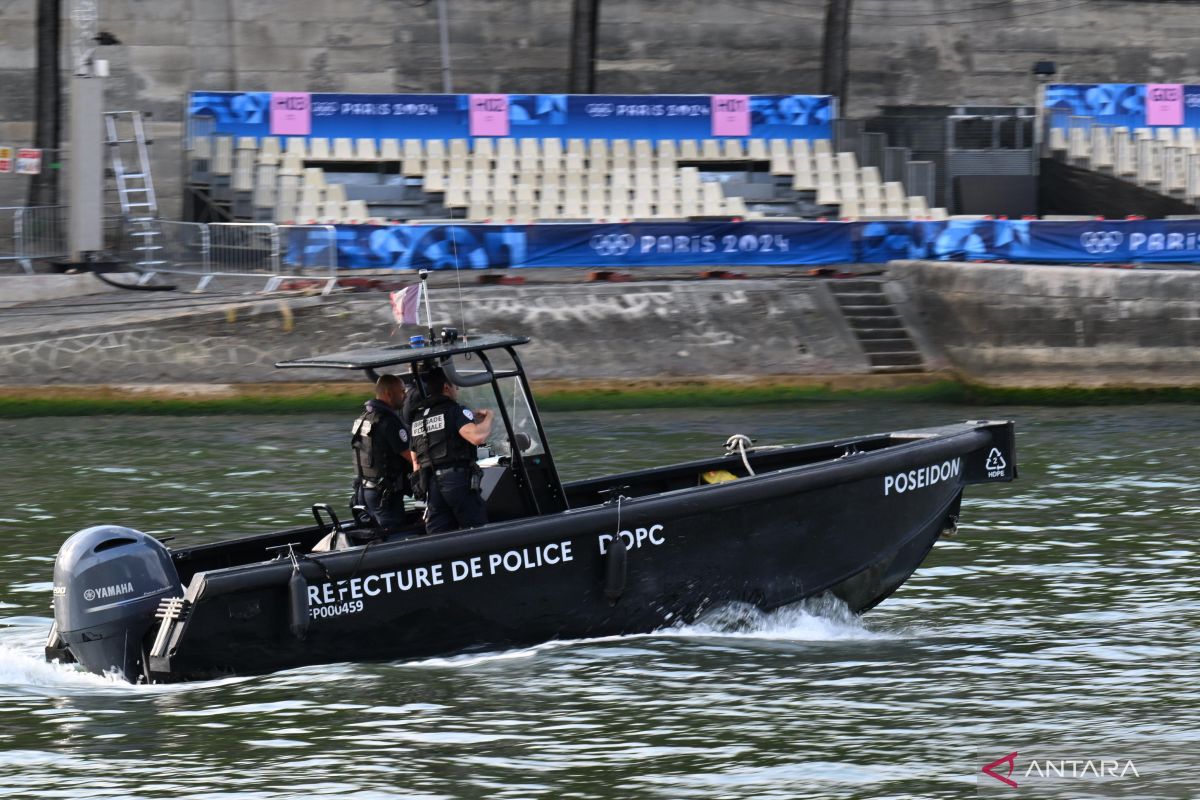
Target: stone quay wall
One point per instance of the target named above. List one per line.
(1049, 326)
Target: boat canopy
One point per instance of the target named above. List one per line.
(372, 358)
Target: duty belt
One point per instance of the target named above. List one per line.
(445, 470)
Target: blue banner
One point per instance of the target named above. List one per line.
(449, 116)
(756, 243)
(1132, 105)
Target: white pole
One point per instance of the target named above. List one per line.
(425, 293)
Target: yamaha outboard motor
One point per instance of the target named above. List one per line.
(108, 582)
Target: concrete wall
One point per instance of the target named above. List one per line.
(650, 330)
(912, 52)
(1015, 325)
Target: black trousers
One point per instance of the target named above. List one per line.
(388, 513)
(452, 504)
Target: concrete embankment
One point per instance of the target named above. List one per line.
(920, 326)
(1048, 326)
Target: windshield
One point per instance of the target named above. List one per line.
(516, 405)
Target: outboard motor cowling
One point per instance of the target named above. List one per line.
(108, 582)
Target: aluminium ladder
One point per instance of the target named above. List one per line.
(125, 135)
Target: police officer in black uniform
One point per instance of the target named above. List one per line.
(444, 438)
(381, 454)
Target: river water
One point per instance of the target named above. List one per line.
(1067, 608)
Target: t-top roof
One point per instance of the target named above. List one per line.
(389, 355)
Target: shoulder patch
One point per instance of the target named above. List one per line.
(468, 414)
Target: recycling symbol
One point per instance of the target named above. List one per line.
(995, 462)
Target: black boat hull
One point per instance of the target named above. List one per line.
(855, 526)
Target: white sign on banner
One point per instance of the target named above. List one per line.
(29, 161)
(6, 159)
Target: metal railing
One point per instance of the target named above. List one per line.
(311, 250)
(32, 233)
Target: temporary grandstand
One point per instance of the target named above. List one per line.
(384, 179)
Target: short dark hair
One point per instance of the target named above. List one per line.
(387, 383)
(435, 381)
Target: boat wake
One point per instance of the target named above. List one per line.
(820, 619)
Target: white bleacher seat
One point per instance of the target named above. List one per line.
(802, 153)
(712, 200)
(222, 160)
(824, 167)
(710, 150)
(620, 178)
(529, 155)
(781, 164)
(484, 145)
(688, 151)
(667, 153)
(821, 146)
(938, 214)
(804, 179)
(872, 200)
(525, 202)
(479, 210)
(917, 207)
(666, 199)
(641, 208)
(621, 148)
(456, 196)
(479, 160)
(1079, 145)
(458, 150)
(548, 202)
(1149, 162)
(1166, 136)
(574, 164)
(311, 195)
(335, 192)
(298, 146)
(1192, 192)
(435, 178)
(849, 209)
(414, 157)
(1101, 156)
(1143, 133)
(318, 149)
(306, 214)
(366, 150)
(689, 202)
(572, 205)
(355, 211)
(643, 154)
(597, 155)
(735, 206)
(848, 186)
(1058, 142)
(389, 150)
(435, 152)
(574, 146)
(847, 162)
(618, 206)
(1175, 165)
(343, 149)
(1186, 137)
(827, 193)
(894, 204)
(268, 151)
(243, 171)
(756, 150)
(731, 150)
(643, 183)
(502, 181)
(1124, 154)
(265, 189)
(314, 176)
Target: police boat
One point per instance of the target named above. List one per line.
(619, 554)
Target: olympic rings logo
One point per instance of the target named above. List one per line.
(613, 244)
(1101, 241)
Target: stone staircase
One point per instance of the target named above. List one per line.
(879, 329)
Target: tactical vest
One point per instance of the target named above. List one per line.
(373, 458)
(435, 437)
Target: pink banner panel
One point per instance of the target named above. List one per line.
(291, 113)
(731, 115)
(1164, 104)
(489, 114)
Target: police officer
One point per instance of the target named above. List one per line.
(444, 438)
(381, 454)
